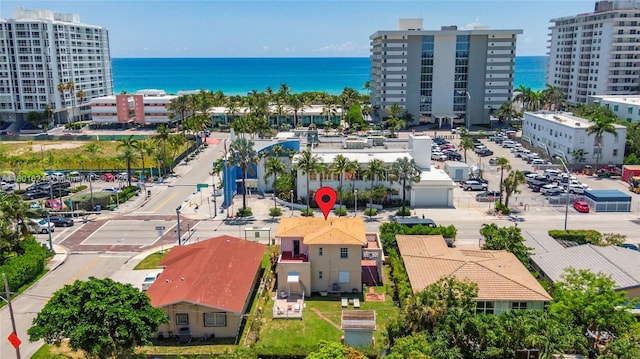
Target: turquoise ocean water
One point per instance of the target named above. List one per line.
(237, 76)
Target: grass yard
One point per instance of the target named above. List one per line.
(298, 337)
(151, 261)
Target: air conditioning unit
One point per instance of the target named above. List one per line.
(577, 124)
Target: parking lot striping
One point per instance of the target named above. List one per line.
(83, 270)
(165, 202)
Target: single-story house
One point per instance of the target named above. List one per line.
(206, 286)
(621, 264)
(358, 327)
(503, 282)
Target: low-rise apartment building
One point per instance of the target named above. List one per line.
(143, 107)
(560, 134)
(626, 107)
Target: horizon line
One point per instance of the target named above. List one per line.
(280, 57)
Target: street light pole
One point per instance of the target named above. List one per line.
(13, 319)
(49, 230)
(179, 234)
(466, 111)
(355, 203)
(566, 204)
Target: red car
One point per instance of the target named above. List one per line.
(54, 204)
(581, 206)
(109, 177)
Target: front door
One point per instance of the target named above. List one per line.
(296, 248)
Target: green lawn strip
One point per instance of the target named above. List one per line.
(24, 287)
(151, 261)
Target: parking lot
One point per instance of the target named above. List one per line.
(526, 201)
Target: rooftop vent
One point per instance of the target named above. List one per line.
(577, 124)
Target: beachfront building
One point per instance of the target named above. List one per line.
(596, 53)
(435, 188)
(41, 49)
(280, 115)
(626, 107)
(144, 107)
(447, 75)
(560, 134)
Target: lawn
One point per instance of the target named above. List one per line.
(151, 261)
(298, 337)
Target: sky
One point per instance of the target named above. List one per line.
(294, 28)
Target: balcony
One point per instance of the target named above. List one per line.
(289, 257)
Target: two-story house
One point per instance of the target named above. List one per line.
(319, 255)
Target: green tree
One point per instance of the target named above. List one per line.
(14, 224)
(162, 138)
(466, 143)
(374, 169)
(127, 146)
(590, 303)
(333, 350)
(243, 155)
(341, 166)
(101, 317)
(36, 119)
(92, 149)
(503, 163)
(273, 167)
(511, 183)
(506, 238)
(145, 149)
(599, 128)
(80, 95)
(307, 164)
(407, 172)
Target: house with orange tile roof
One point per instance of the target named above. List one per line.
(319, 255)
(503, 282)
(205, 287)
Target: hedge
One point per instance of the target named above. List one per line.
(580, 236)
(22, 269)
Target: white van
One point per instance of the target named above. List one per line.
(508, 144)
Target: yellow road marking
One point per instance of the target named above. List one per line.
(83, 270)
(165, 201)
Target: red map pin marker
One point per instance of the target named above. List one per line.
(325, 198)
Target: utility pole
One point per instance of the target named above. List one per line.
(13, 319)
(179, 232)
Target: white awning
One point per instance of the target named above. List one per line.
(293, 277)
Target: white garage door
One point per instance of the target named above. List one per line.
(430, 197)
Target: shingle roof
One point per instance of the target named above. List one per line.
(358, 320)
(622, 264)
(217, 273)
(321, 231)
(498, 274)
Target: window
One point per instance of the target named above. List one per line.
(182, 319)
(484, 308)
(320, 252)
(344, 252)
(615, 152)
(215, 319)
(519, 305)
(320, 275)
(343, 277)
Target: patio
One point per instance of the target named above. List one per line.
(287, 306)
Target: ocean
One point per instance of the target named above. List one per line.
(238, 76)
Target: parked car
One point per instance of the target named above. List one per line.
(484, 153)
(43, 226)
(548, 187)
(122, 176)
(474, 186)
(111, 190)
(415, 221)
(508, 144)
(35, 194)
(438, 156)
(575, 188)
(630, 246)
(454, 156)
(149, 279)
(538, 162)
(477, 179)
(57, 176)
(581, 206)
(488, 196)
(555, 192)
(61, 221)
(54, 204)
(492, 161)
(74, 176)
(109, 177)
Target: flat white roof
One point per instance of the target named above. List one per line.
(633, 100)
(564, 119)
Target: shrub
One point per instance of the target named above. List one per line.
(244, 212)
(502, 208)
(24, 268)
(79, 188)
(307, 212)
(340, 211)
(275, 212)
(580, 236)
(371, 211)
(406, 212)
(20, 191)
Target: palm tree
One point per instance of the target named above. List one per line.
(273, 167)
(62, 88)
(243, 155)
(578, 157)
(128, 147)
(340, 166)
(92, 149)
(80, 95)
(466, 144)
(322, 169)
(511, 183)
(599, 127)
(307, 163)
(394, 124)
(405, 170)
(162, 137)
(374, 169)
(145, 149)
(70, 86)
(552, 95)
(503, 163)
(524, 96)
(14, 210)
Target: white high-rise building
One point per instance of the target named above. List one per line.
(41, 49)
(442, 75)
(596, 53)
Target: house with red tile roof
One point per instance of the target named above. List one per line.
(503, 282)
(205, 287)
